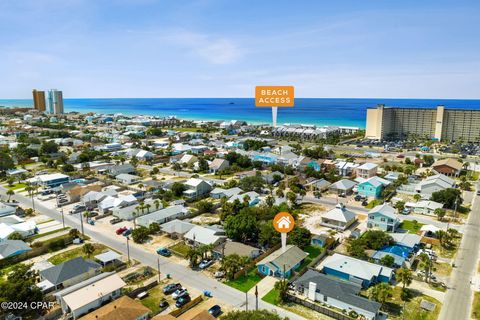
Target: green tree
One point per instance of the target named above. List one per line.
(15, 236)
(88, 249)
(426, 264)
(440, 213)
(282, 287)
(6, 161)
(193, 255)
(300, 237)
(48, 147)
(387, 260)
(154, 228)
(253, 183)
(68, 168)
(404, 276)
(380, 292)
(10, 193)
(451, 197)
(205, 206)
(400, 206)
(267, 235)
(74, 233)
(140, 234)
(241, 227)
(178, 189)
(20, 285)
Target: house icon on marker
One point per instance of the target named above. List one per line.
(284, 223)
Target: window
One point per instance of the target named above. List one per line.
(325, 298)
(382, 219)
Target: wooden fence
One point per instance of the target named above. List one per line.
(323, 310)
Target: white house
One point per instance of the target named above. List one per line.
(199, 235)
(339, 218)
(433, 184)
(163, 215)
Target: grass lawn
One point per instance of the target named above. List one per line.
(74, 253)
(17, 186)
(373, 203)
(313, 252)
(443, 269)
(272, 297)
(412, 226)
(189, 129)
(181, 248)
(245, 283)
(154, 296)
(412, 307)
(476, 306)
(451, 251)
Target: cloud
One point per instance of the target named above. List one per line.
(213, 49)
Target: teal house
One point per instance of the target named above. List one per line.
(372, 187)
(282, 264)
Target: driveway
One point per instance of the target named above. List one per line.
(264, 286)
(459, 297)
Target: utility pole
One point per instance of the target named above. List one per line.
(256, 297)
(246, 301)
(158, 268)
(81, 223)
(128, 249)
(63, 217)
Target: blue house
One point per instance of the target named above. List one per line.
(372, 187)
(275, 263)
(50, 180)
(315, 165)
(321, 240)
(357, 271)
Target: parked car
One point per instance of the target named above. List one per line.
(215, 311)
(164, 252)
(183, 301)
(163, 304)
(62, 200)
(142, 295)
(171, 288)
(406, 211)
(359, 198)
(364, 203)
(77, 209)
(115, 220)
(179, 293)
(121, 230)
(205, 264)
(127, 232)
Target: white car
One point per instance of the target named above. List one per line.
(179, 293)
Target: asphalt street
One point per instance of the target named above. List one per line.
(180, 273)
(458, 299)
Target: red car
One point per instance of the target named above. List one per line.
(121, 230)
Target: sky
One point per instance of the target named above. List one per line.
(224, 48)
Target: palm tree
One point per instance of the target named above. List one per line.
(148, 206)
(192, 256)
(282, 287)
(380, 292)
(10, 193)
(427, 265)
(231, 265)
(135, 214)
(157, 204)
(405, 277)
(88, 249)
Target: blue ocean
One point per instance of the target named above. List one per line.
(344, 112)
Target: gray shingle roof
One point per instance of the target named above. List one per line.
(341, 290)
(68, 270)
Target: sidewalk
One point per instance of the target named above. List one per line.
(264, 286)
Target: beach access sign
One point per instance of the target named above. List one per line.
(274, 96)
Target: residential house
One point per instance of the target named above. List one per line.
(50, 180)
(342, 187)
(124, 308)
(405, 239)
(196, 188)
(449, 166)
(273, 177)
(366, 170)
(232, 247)
(340, 294)
(6, 210)
(163, 215)
(121, 169)
(10, 248)
(372, 187)
(251, 196)
(199, 235)
(88, 295)
(127, 178)
(433, 184)
(346, 169)
(339, 218)
(392, 176)
(318, 185)
(176, 228)
(68, 273)
(321, 240)
(426, 207)
(355, 270)
(76, 193)
(219, 193)
(383, 217)
(282, 263)
(109, 203)
(218, 165)
(188, 159)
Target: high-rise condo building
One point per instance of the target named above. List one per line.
(440, 123)
(38, 100)
(55, 101)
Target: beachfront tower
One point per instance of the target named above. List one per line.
(55, 101)
(38, 100)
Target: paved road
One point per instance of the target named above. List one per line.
(180, 273)
(459, 297)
